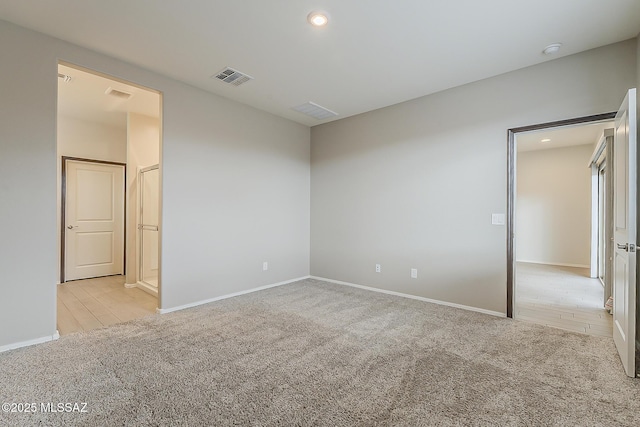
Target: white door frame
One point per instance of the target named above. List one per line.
(63, 207)
(511, 191)
(601, 251)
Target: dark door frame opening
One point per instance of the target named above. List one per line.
(511, 190)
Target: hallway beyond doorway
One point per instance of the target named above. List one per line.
(89, 304)
(561, 297)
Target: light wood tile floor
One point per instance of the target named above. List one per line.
(95, 303)
(562, 297)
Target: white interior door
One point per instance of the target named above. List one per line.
(624, 263)
(94, 220)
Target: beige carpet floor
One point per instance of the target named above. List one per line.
(318, 354)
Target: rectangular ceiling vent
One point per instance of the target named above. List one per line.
(314, 110)
(231, 76)
(117, 93)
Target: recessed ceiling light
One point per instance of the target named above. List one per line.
(545, 141)
(318, 19)
(552, 48)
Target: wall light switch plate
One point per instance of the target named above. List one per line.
(497, 219)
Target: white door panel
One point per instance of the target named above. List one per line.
(625, 217)
(94, 219)
(89, 184)
(94, 248)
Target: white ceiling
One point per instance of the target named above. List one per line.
(373, 53)
(561, 137)
(85, 97)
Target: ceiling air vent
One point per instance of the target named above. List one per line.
(314, 110)
(117, 93)
(231, 76)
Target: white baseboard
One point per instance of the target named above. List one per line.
(147, 288)
(400, 294)
(235, 294)
(144, 287)
(27, 343)
(559, 264)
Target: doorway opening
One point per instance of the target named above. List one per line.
(553, 265)
(108, 131)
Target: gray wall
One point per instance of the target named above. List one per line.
(236, 193)
(236, 187)
(28, 254)
(553, 206)
(414, 185)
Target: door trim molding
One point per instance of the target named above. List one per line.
(63, 199)
(511, 190)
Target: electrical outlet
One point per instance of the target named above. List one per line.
(265, 266)
(414, 273)
(378, 268)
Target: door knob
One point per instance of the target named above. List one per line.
(70, 227)
(629, 247)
